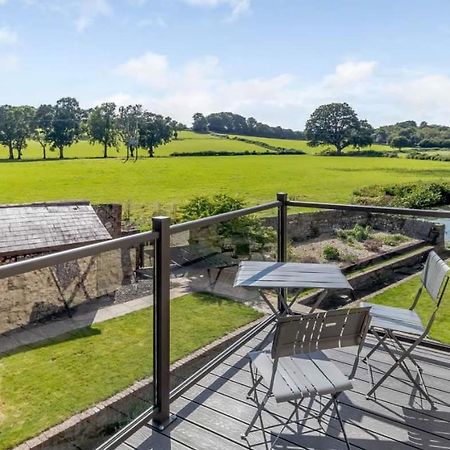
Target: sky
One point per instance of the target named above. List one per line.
(275, 60)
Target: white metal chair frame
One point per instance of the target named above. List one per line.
(434, 278)
(308, 335)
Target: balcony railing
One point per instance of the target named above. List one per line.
(160, 238)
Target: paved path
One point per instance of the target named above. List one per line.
(40, 332)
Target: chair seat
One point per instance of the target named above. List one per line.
(299, 376)
(394, 319)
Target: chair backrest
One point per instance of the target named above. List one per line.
(320, 331)
(435, 276)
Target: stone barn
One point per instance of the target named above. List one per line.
(30, 230)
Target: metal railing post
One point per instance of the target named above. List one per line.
(282, 237)
(161, 321)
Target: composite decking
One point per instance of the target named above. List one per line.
(214, 412)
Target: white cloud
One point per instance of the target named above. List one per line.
(89, 10)
(150, 69)
(381, 95)
(427, 96)
(351, 72)
(7, 36)
(238, 7)
(8, 63)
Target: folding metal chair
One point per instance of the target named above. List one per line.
(388, 323)
(296, 369)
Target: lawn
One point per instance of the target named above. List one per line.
(47, 383)
(187, 142)
(158, 185)
(402, 296)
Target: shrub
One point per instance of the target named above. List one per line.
(241, 235)
(358, 233)
(394, 239)
(331, 253)
(408, 195)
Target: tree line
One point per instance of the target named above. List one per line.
(230, 123)
(409, 134)
(58, 126)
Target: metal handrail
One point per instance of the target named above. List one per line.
(373, 209)
(40, 262)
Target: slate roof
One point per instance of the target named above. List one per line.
(41, 227)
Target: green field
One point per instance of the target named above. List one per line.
(186, 142)
(155, 185)
(41, 385)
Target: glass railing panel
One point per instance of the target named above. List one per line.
(76, 337)
(205, 305)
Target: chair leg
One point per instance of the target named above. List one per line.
(256, 382)
(338, 414)
(403, 349)
(400, 362)
(257, 414)
(376, 347)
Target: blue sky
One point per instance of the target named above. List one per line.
(273, 59)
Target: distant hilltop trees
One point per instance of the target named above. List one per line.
(409, 134)
(230, 123)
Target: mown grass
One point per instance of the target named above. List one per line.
(160, 184)
(402, 296)
(44, 384)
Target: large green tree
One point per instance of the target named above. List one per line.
(334, 124)
(128, 127)
(199, 124)
(15, 127)
(66, 127)
(102, 126)
(154, 130)
(42, 126)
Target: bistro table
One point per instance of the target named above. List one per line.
(264, 275)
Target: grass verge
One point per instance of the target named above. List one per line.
(402, 296)
(42, 385)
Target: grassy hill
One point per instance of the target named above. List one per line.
(186, 142)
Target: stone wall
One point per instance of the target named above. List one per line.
(36, 295)
(110, 215)
(304, 226)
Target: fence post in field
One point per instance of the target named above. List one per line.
(282, 236)
(161, 321)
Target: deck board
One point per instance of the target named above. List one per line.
(214, 412)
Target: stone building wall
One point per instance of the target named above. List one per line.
(36, 295)
(110, 215)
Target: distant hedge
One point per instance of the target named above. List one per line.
(407, 195)
(243, 153)
(427, 156)
(267, 146)
(361, 153)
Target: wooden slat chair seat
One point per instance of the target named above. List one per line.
(389, 322)
(296, 368)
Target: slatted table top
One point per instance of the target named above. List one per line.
(262, 274)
